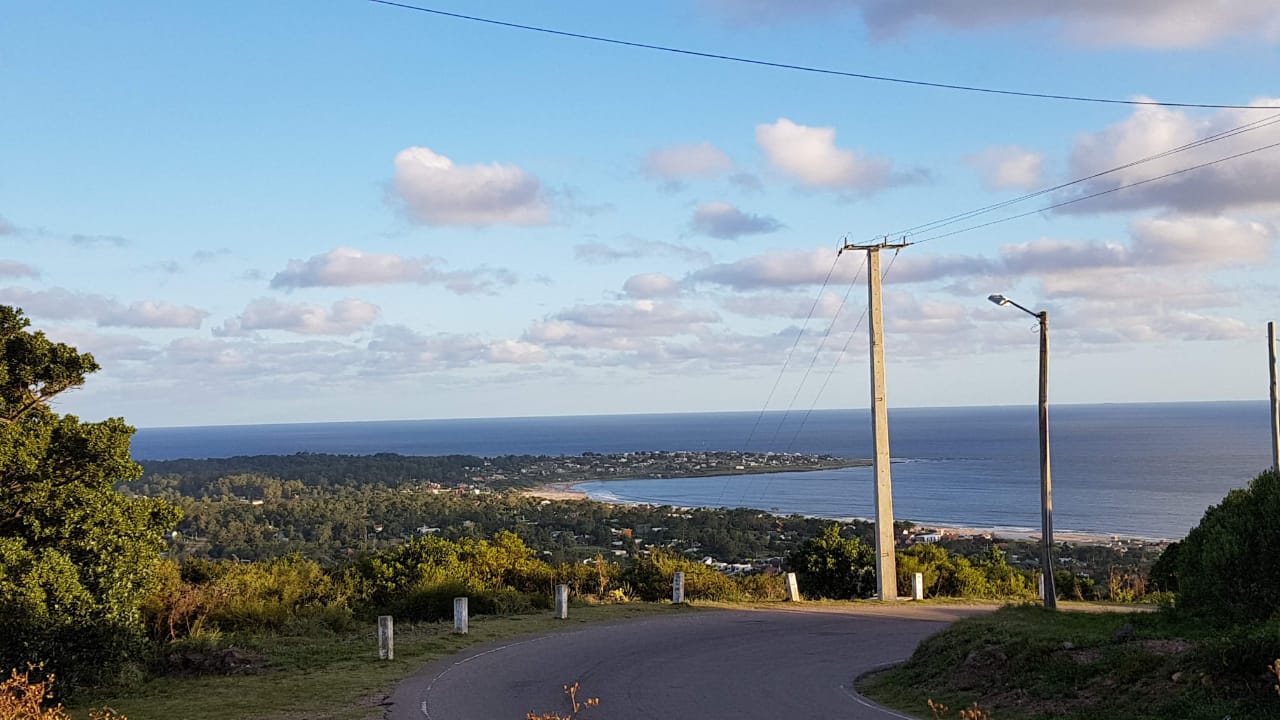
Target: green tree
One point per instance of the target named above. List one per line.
(76, 557)
(831, 566)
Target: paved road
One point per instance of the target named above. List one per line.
(740, 664)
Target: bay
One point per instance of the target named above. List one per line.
(1147, 470)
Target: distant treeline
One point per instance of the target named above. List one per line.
(191, 477)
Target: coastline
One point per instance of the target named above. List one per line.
(568, 490)
(557, 491)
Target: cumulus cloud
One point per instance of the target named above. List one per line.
(1203, 242)
(344, 317)
(153, 314)
(433, 190)
(675, 163)
(1141, 23)
(1173, 241)
(401, 349)
(348, 267)
(777, 269)
(63, 304)
(107, 348)
(724, 221)
(1008, 167)
(1248, 182)
(13, 268)
(810, 156)
(650, 285)
(618, 326)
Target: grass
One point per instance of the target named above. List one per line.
(328, 676)
(1025, 663)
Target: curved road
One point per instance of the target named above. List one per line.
(740, 664)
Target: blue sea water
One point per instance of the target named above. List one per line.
(1147, 470)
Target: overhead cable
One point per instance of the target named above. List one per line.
(960, 217)
(1100, 193)
(815, 70)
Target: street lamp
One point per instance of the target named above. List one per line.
(1046, 482)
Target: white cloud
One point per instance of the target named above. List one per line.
(348, 267)
(681, 162)
(108, 348)
(618, 326)
(399, 349)
(13, 268)
(1141, 23)
(344, 317)
(153, 314)
(810, 156)
(724, 221)
(650, 285)
(1173, 241)
(62, 304)
(1249, 182)
(1009, 167)
(434, 191)
(7, 228)
(778, 269)
(517, 352)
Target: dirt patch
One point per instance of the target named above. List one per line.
(1166, 647)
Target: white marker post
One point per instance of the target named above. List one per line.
(1040, 585)
(460, 615)
(677, 588)
(917, 586)
(793, 588)
(562, 602)
(386, 638)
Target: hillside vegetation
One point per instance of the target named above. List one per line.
(1209, 653)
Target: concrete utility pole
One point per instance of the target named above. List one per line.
(886, 540)
(1275, 400)
(1049, 592)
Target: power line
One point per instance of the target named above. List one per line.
(852, 333)
(960, 217)
(817, 352)
(812, 69)
(799, 335)
(1098, 194)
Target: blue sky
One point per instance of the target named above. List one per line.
(341, 210)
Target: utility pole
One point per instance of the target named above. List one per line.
(1275, 400)
(1046, 481)
(886, 540)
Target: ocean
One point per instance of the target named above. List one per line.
(1144, 470)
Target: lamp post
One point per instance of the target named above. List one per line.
(1046, 478)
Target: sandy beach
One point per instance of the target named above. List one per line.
(556, 491)
(569, 491)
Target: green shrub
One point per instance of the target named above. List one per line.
(948, 575)
(759, 586)
(831, 566)
(650, 578)
(1240, 650)
(1228, 567)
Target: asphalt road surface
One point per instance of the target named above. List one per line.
(736, 665)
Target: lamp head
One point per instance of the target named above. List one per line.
(998, 299)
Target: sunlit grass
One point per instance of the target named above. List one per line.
(333, 676)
